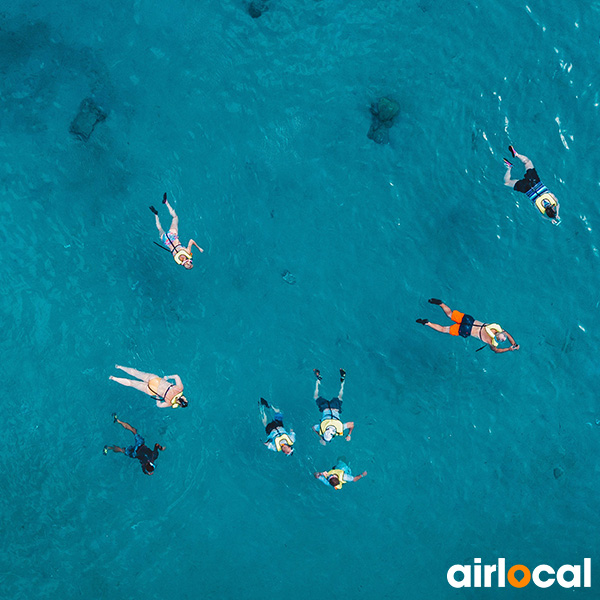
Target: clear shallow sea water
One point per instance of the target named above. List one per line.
(257, 129)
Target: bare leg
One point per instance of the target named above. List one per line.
(263, 415)
(115, 449)
(126, 426)
(526, 161)
(317, 389)
(159, 226)
(439, 328)
(142, 386)
(137, 374)
(175, 222)
(341, 392)
(446, 309)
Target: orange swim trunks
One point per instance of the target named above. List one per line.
(462, 324)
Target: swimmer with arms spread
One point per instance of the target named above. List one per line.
(138, 450)
(331, 425)
(338, 475)
(532, 187)
(465, 325)
(181, 255)
(167, 395)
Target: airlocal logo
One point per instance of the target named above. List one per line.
(519, 575)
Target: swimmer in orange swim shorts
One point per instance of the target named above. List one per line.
(491, 334)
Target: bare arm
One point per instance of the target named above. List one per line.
(363, 474)
(350, 427)
(193, 243)
(162, 404)
(514, 346)
(176, 378)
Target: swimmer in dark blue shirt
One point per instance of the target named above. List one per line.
(138, 450)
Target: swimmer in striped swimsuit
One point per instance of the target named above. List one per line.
(544, 200)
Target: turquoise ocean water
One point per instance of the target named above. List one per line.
(257, 129)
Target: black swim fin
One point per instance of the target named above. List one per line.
(105, 450)
(422, 321)
(512, 151)
(165, 198)
(153, 210)
(114, 416)
(434, 301)
(263, 402)
(342, 375)
(317, 374)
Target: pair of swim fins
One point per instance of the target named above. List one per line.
(319, 376)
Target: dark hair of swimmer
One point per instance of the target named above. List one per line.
(333, 480)
(182, 402)
(551, 211)
(148, 468)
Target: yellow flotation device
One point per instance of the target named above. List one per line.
(547, 197)
(492, 329)
(325, 423)
(175, 400)
(340, 475)
(282, 438)
(181, 256)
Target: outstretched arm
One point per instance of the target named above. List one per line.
(363, 474)
(350, 427)
(513, 345)
(193, 243)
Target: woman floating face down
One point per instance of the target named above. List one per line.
(166, 394)
(181, 254)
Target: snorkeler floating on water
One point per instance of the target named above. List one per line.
(167, 395)
(279, 439)
(338, 475)
(331, 425)
(138, 450)
(465, 325)
(534, 189)
(181, 254)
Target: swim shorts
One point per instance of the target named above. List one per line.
(170, 239)
(275, 423)
(131, 451)
(462, 324)
(333, 404)
(529, 180)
